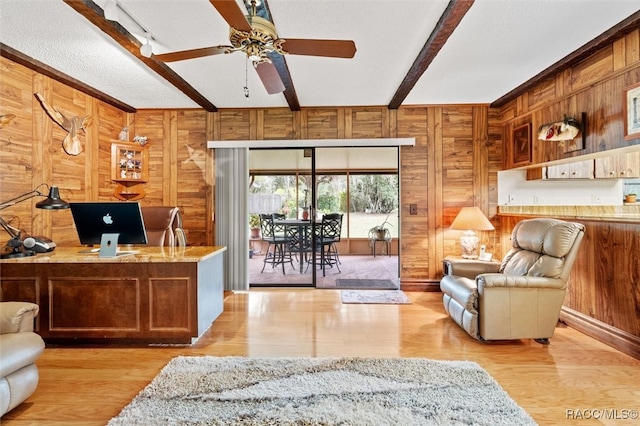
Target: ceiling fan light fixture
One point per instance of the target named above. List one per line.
(111, 10)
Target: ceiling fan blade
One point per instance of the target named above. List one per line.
(232, 13)
(270, 77)
(311, 47)
(191, 54)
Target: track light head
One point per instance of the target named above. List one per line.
(111, 10)
(146, 49)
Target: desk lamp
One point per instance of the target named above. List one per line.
(471, 219)
(51, 202)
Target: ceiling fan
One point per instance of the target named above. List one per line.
(257, 38)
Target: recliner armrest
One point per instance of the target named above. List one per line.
(17, 317)
(469, 268)
(524, 281)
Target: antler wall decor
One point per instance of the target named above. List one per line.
(71, 143)
(564, 130)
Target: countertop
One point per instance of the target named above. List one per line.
(620, 213)
(142, 255)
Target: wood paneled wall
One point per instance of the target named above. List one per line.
(453, 164)
(604, 297)
(594, 86)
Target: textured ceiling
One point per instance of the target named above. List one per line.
(499, 45)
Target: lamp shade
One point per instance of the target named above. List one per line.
(472, 218)
(53, 201)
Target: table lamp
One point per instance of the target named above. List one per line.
(471, 219)
(51, 202)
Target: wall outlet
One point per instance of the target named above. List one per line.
(536, 200)
(595, 199)
(512, 198)
(413, 209)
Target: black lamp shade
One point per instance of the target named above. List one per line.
(53, 201)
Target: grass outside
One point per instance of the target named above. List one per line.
(360, 223)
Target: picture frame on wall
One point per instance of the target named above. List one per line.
(521, 145)
(632, 112)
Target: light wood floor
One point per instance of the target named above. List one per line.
(88, 386)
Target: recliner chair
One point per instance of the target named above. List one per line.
(522, 298)
(20, 347)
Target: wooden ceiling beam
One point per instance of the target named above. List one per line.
(619, 30)
(44, 69)
(449, 21)
(124, 38)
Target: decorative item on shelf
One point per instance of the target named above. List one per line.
(6, 119)
(630, 198)
(71, 143)
(471, 219)
(123, 136)
(23, 245)
(566, 130)
(140, 140)
(129, 169)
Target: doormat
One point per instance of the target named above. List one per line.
(364, 283)
(383, 297)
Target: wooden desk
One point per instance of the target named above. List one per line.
(159, 295)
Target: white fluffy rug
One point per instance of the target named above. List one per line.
(322, 391)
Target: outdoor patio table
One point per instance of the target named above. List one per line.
(303, 230)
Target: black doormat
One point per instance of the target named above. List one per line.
(363, 284)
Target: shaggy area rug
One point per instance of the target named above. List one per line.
(365, 283)
(322, 391)
(392, 297)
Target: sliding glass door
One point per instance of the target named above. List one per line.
(355, 191)
(281, 209)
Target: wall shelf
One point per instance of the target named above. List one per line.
(129, 170)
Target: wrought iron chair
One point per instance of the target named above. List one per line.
(276, 240)
(327, 237)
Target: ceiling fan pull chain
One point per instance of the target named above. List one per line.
(246, 79)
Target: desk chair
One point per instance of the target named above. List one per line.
(164, 226)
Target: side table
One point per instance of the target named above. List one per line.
(469, 268)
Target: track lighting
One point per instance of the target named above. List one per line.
(111, 10)
(146, 49)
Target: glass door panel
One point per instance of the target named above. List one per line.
(281, 197)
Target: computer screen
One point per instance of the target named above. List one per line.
(96, 218)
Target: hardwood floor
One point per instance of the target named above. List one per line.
(88, 386)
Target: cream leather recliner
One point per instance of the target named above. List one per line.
(522, 297)
(20, 347)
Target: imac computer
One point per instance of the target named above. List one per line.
(109, 224)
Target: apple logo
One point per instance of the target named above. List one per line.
(107, 219)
